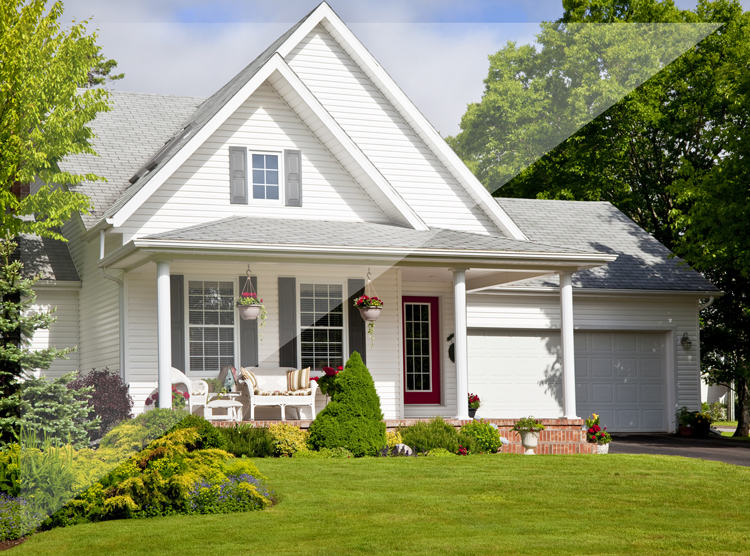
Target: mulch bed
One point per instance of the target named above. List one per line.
(7, 545)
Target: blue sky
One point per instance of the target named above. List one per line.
(436, 50)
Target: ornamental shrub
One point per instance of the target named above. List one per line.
(487, 437)
(246, 440)
(324, 453)
(241, 493)
(134, 435)
(210, 436)
(352, 419)
(109, 400)
(288, 439)
(436, 433)
(17, 518)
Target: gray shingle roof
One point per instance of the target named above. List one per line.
(643, 262)
(48, 258)
(127, 137)
(201, 117)
(278, 231)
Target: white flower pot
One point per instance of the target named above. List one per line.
(529, 440)
(249, 312)
(370, 313)
(602, 448)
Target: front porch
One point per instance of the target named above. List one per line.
(560, 436)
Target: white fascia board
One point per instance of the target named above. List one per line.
(203, 134)
(598, 292)
(57, 285)
(406, 107)
(349, 145)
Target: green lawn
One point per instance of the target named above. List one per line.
(724, 424)
(501, 504)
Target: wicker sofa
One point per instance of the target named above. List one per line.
(272, 391)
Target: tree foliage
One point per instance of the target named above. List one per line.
(672, 154)
(43, 115)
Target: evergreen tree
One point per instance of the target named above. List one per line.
(17, 327)
(352, 419)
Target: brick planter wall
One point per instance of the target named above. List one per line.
(560, 436)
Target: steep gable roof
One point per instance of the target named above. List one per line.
(642, 263)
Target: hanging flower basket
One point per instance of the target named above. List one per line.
(369, 308)
(250, 307)
(370, 314)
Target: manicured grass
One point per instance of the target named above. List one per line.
(730, 435)
(724, 424)
(500, 504)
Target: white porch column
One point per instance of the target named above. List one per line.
(568, 345)
(461, 355)
(163, 323)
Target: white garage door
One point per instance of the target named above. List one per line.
(619, 375)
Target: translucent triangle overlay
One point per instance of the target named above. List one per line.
(572, 75)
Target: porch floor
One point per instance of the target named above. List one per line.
(560, 436)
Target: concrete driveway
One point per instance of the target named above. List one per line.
(736, 452)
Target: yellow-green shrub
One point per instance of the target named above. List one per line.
(288, 439)
(393, 438)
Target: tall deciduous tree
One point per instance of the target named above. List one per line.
(43, 115)
(672, 154)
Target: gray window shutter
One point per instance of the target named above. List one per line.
(357, 326)
(238, 175)
(177, 308)
(293, 182)
(287, 322)
(248, 332)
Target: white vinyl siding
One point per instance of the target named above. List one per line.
(384, 136)
(63, 333)
(672, 314)
(198, 191)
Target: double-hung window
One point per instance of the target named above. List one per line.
(322, 323)
(265, 176)
(210, 325)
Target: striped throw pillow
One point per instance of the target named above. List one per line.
(249, 376)
(298, 380)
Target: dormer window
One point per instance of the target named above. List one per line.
(272, 177)
(265, 173)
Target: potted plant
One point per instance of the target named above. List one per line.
(685, 419)
(179, 399)
(701, 423)
(595, 433)
(529, 429)
(474, 404)
(369, 309)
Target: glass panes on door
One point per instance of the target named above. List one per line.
(211, 325)
(417, 345)
(322, 323)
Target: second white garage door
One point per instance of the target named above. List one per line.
(619, 375)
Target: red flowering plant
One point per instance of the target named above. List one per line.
(462, 451)
(179, 399)
(594, 431)
(474, 401)
(327, 383)
(366, 301)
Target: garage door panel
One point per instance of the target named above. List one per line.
(651, 368)
(582, 393)
(627, 393)
(652, 393)
(582, 366)
(602, 394)
(653, 343)
(627, 420)
(601, 367)
(653, 419)
(626, 342)
(626, 367)
(601, 342)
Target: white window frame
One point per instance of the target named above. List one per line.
(282, 191)
(186, 330)
(345, 322)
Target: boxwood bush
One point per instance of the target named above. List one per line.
(246, 440)
(352, 419)
(487, 437)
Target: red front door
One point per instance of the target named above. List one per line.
(421, 350)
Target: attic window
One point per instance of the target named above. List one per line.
(265, 176)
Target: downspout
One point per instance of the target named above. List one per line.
(121, 302)
(707, 304)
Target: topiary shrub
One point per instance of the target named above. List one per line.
(288, 439)
(109, 400)
(424, 437)
(210, 436)
(487, 437)
(353, 418)
(246, 440)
